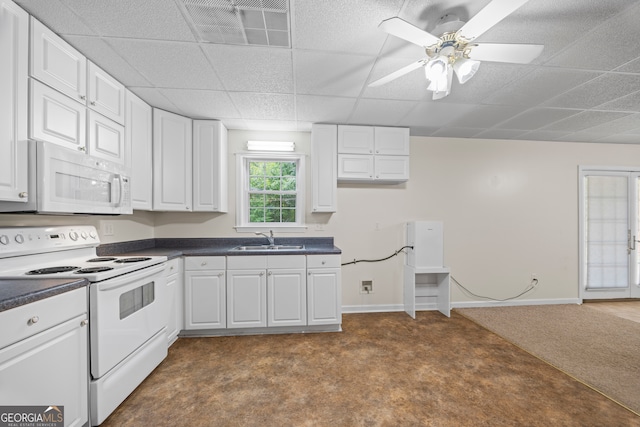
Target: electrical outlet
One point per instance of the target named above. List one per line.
(108, 229)
(319, 227)
(366, 287)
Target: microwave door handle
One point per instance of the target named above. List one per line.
(117, 189)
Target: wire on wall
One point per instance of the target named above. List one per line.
(531, 286)
(355, 261)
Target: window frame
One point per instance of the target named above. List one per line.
(242, 192)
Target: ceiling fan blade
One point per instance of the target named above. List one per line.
(489, 16)
(399, 73)
(498, 52)
(402, 29)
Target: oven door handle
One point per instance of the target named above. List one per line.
(127, 279)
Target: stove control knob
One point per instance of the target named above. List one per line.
(93, 234)
(4, 239)
(84, 235)
(74, 235)
(19, 239)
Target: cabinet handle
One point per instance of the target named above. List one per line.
(33, 320)
(269, 273)
(83, 97)
(220, 274)
(171, 268)
(261, 273)
(82, 149)
(324, 262)
(85, 322)
(203, 263)
(309, 273)
(23, 195)
(93, 103)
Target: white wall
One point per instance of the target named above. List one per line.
(509, 209)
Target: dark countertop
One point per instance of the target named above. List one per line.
(17, 292)
(173, 248)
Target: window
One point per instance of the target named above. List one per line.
(271, 188)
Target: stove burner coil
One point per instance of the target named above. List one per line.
(101, 259)
(51, 270)
(92, 270)
(134, 259)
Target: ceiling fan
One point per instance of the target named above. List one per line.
(454, 51)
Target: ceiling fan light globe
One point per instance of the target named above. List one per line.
(465, 69)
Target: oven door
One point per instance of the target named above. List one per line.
(125, 312)
(74, 182)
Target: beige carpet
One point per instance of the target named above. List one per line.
(599, 349)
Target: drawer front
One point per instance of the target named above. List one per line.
(253, 262)
(174, 266)
(286, 261)
(323, 261)
(204, 263)
(30, 319)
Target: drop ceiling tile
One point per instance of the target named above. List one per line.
(499, 134)
(621, 138)
(339, 26)
(412, 86)
(435, 114)
(234, 124)
(155, 98)
(484, 116)
(624, 124)
(537, 118)
(157, 19)
(252, 69)
(271, 125)
(324, 109)
(168, 64)
(456, 132)
(98, 51)
(202, 104)
(543, 135)
(630, 67)
(318, 73)
(426, 14)
(539, 85)
(422, 130)
(609, 41)
(57, 16)
(585, 120)
(597, 91)
(264, 106)
(625, 103)
(380, 112)
(582, 137)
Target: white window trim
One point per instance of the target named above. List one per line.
(242, 187)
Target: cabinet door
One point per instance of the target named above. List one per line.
(355, 167)
(246, 299)
(56, 63)
(287, 296)
(205, 300)
(106, 138)
(324, 296)
(172, 176)
(391, 168)
(49, 368)
(392, 141)
(209, 166)
(138, 150)
(175, 299)
(56, 118)
(14, 48)
(324, 167)
(355, 139)
(106, 94)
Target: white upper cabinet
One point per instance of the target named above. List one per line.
(106, 94)
(172, 162)
(56, 118)
(138, 150)
(14, 48)
(324, 167)
(355, 139)
(209, 166)
(56, 63)
(106, 138)
(373, 154)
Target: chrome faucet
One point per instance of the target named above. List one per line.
(269, 237)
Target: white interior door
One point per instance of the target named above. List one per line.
(609, 224)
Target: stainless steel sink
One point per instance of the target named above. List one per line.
(249, 248)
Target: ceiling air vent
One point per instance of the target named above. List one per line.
(240, 22)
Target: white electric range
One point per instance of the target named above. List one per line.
(127, 303)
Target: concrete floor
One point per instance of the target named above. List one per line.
(385, 369)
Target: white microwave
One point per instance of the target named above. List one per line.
(62, 181)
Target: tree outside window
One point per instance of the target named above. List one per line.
(272, 191)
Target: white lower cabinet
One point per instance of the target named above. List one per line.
(175, 296)
(286, 290)
(324, 290)
(43, 355)
(205, 293)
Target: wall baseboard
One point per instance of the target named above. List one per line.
(382, 308)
